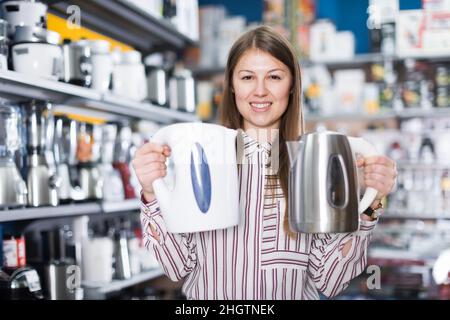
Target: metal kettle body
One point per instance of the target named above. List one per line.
(323, 183)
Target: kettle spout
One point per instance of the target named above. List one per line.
(293, 148)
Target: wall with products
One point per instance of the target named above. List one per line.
(352, 15)
(251, 9)
(339, 11)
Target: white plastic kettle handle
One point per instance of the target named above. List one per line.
(366, 149)
(162, 192)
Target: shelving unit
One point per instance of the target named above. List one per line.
(66, 210)
(408, 216)
(125, 22)
(17, 86)
(366, 58)
(99, 291)
(382, 115)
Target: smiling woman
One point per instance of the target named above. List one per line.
(261, 258)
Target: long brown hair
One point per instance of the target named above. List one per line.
(291, 123)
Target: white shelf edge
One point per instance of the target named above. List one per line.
(48, 85)
(422, 166)
(64, 210)
(117, 285)
(118, 206)
(26, 86)
(374, 57)
(67, 210)
(382, 115)
(349, 116)
(398, 214)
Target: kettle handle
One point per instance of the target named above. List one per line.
(366, 149)
(162, 192)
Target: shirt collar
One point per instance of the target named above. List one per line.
(251, 145)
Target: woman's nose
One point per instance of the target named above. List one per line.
(261, 89)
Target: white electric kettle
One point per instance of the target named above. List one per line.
(201, 190)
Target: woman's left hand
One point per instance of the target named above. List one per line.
(380, 173)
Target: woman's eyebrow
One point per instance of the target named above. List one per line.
(271, 70)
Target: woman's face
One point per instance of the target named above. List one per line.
(261, 86)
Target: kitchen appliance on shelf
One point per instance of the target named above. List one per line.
(77, 62)
(122, 263)
(20, 284)
(122, 159)
(59, 271)
(42, 179)
(128, 78)
(13, 190)
(4, 44)
(156, 80)
(97, 259)
(88, 155)
(182, 90)
(323, 182)
(36, 51)
(102, 65)
(65, 156)
(113, 189)
(24, 13)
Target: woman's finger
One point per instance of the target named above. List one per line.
(148, 159)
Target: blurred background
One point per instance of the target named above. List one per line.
(84, 83)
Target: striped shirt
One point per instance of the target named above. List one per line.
(256, 259)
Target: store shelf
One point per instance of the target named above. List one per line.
(120, 206)
(382, 115)
(356, 60)
(349, 117)
(97, 290)
(50, 212)
(22, 86)
(366, 58)
(422, 166)
(403, 214)
(17, 86)
(65, 210)
(125, 22)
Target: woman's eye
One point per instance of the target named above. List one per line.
(246, 77)
(275, 77)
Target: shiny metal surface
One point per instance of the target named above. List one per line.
(323, 196)
(77, 63)
(42, 184)
(13, 191)
(10, 131)
(56, 280)
(157, 86)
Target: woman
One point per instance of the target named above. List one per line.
(261, 258)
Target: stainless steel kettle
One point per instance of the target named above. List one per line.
(323, 183)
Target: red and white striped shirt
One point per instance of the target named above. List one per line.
(256, 259)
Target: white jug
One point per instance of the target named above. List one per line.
(201, 191)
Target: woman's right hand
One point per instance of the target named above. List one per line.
(149, 165)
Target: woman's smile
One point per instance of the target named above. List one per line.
(260, 106)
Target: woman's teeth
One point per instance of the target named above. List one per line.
(260, 105)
